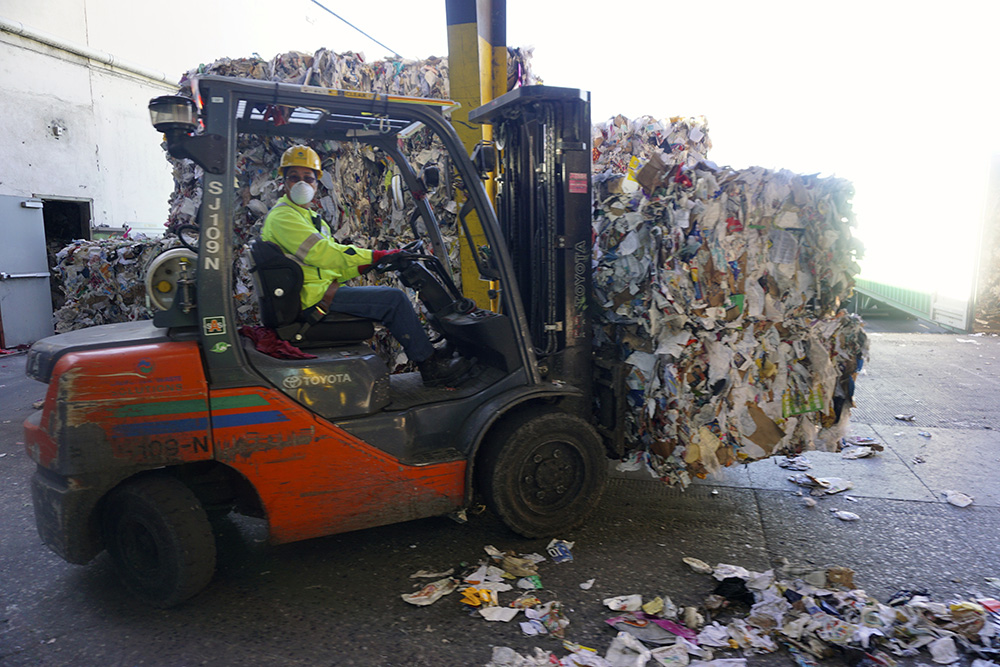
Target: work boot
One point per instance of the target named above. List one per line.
(441, 371)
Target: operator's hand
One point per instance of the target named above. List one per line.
(377, 261)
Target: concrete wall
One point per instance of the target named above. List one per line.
(75, 128)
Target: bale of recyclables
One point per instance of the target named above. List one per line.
(720, 289)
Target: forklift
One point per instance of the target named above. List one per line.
(151, 429)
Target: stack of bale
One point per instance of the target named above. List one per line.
(721, 290)
(102, 281)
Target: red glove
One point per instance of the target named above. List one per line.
(379, 254)
(376, 256)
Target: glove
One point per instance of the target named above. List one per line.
(379, 254)
(376, 256)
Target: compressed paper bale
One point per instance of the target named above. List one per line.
(103, 281)
(739, 296)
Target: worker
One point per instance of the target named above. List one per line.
(326, 265)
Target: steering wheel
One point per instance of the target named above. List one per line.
(414, 247)
(390, 261)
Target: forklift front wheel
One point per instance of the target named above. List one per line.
(160, 539)
(543, 472)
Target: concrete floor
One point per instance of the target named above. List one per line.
(335, 600)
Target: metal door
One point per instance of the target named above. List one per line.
(25, 301)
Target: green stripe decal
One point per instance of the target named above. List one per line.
(192, 405)
(242, 401)
(161, 408)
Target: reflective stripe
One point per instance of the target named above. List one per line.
(307, 245)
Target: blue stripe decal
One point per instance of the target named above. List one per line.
(197, 424)
(248, 419)
(161, 427)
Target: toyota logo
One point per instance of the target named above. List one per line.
(292, 382)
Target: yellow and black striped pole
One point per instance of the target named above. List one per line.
(477, 73)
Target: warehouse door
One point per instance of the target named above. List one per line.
(25, 302)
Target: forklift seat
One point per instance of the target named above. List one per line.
(278, 281)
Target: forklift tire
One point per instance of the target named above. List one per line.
(160, 539)
(542, 472)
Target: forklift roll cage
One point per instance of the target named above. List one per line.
(230, 107)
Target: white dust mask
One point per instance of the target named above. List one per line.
(302, 193)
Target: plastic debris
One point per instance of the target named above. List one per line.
(724, 571)
(533, 627)
(813, 613)
(587, 585)
(627, 651)
(431, 593)
(642, 628)
(504, 656)
(699, 566)
(924, 434)
(674, 655)
(653, 607)
(476, 597)
(550, 615)
(624, 603)
(844, 515)
(905, 418)
(502, 614)
(714, 635)
(426, 574)
(957, 498)
(943, 650)
(822, 485)
(525, 565)
(859, 452)
(559, 551)
(795, 463)
(693, 619)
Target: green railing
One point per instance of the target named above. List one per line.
(949, 313)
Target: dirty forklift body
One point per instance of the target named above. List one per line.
(150, 428)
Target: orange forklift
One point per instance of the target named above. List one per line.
(151, 428)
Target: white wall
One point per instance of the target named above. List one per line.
(107, 151)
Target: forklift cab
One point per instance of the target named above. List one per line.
(150, 428)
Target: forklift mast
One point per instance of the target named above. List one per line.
(543, 204)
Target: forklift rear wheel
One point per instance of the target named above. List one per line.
(543, 472)
(160, 539)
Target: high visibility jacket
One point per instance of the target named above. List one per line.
(307, 238)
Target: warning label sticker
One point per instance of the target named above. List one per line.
(578, 183)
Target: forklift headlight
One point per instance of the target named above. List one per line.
(173, 112)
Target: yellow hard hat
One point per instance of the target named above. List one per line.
(301, 156)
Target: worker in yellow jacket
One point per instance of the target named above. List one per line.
(326, 265)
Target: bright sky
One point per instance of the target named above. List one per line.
(898, 96)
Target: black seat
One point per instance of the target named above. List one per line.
(278, 281)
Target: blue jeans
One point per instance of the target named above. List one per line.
(389, 306)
